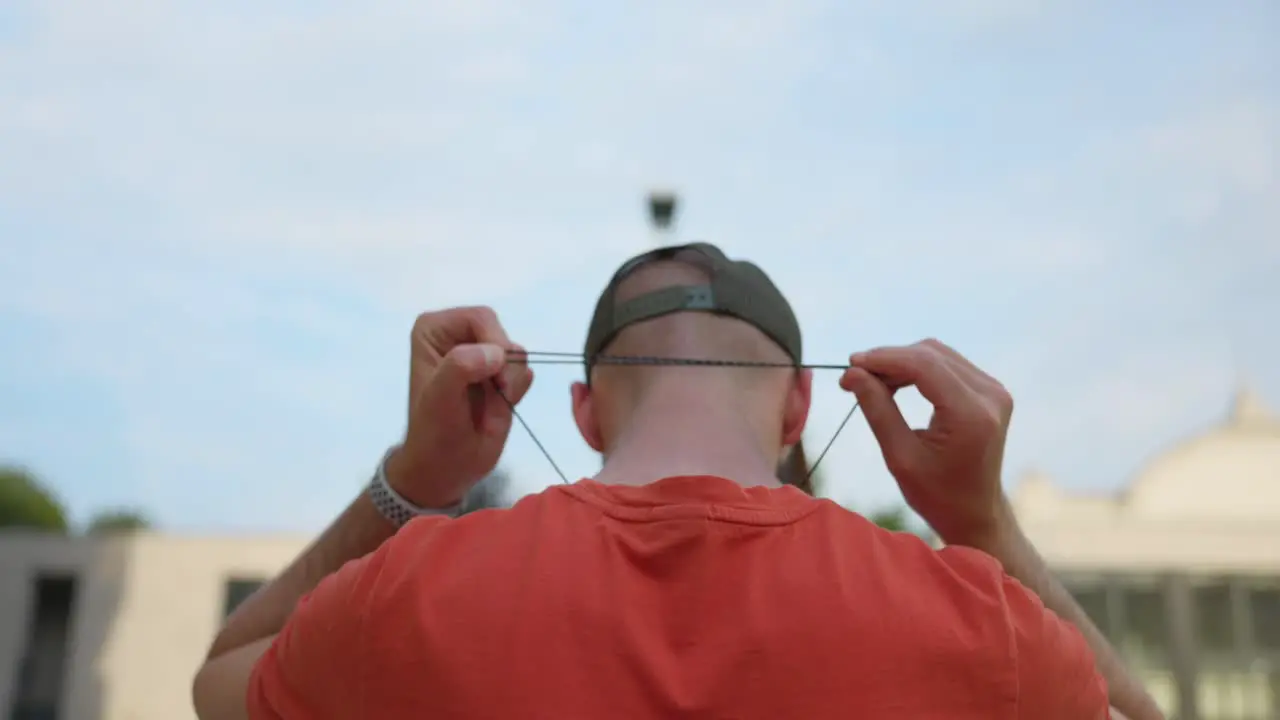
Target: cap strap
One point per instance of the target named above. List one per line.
(663, 302)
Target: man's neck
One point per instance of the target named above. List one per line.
(678, 430)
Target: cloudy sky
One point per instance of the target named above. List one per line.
(218, 220)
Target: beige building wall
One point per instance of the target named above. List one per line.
(147, 605)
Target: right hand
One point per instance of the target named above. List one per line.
(458, 422)
(950, 471)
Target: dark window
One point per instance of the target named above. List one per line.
(1264, 611)
(1146, 626)
(1093, 600)
(1215, 626)
(238, 590)
(38, 693)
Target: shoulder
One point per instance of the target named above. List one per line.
(962, 575)
(1055, 668)
(952, 587)
(431, 528)
(1057, 671)
(433, 548)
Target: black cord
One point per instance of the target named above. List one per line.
(566, 358)
(534, 438)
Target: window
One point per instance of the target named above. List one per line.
(1215, 625)
(238, 589)
(1093, 600)
(1264, 611)
(38, 692)
(1203, 646)
(1146, 626)
(1132, 612)
(1230, 683)
(1143, 636)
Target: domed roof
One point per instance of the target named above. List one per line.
(1230, 472)
(1249, 411)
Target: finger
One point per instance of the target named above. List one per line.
(919, 365)
(470, 364)
(474, 324)
(422, 349)
(898, 443)
(486, 327)
(497, 412)
(499, 401)
(458, 326)
(514, 390)
(961, 365)
(516, 368)
(478, 405)
(517, 387)
(992, 390)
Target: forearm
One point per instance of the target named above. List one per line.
(1021, 561)
(358, 531)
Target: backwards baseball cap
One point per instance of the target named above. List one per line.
(736, 288)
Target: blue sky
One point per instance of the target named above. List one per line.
(218, 220)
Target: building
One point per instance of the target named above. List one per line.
(114, 628)
(1181, 569)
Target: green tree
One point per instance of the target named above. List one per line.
(890, 519)
(899, 519)
(26, 503)
(121, 520)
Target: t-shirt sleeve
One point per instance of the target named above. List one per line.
(315, 667)
(1057, 675)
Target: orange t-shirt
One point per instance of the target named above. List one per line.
(689, 597)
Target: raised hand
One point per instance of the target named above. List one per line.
(458, 422)
(950, 471)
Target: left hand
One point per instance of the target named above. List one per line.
(458, 422)
(950, 471)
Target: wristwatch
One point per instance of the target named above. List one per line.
(393, 506)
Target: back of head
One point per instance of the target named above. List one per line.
(686, 335)
(691, 303)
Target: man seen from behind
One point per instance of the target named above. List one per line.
(682, 580)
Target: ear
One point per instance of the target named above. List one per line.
(795, 411)
(584, 414)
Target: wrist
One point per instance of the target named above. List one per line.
(406, 478)
(997, 533)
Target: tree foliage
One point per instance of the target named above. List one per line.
(890, 519)
(121, 520)
(26, 503)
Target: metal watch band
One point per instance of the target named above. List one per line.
(392, 506)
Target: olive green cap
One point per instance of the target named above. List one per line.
(736, 288)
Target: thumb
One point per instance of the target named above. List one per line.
(470, 364)
(897, 441)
